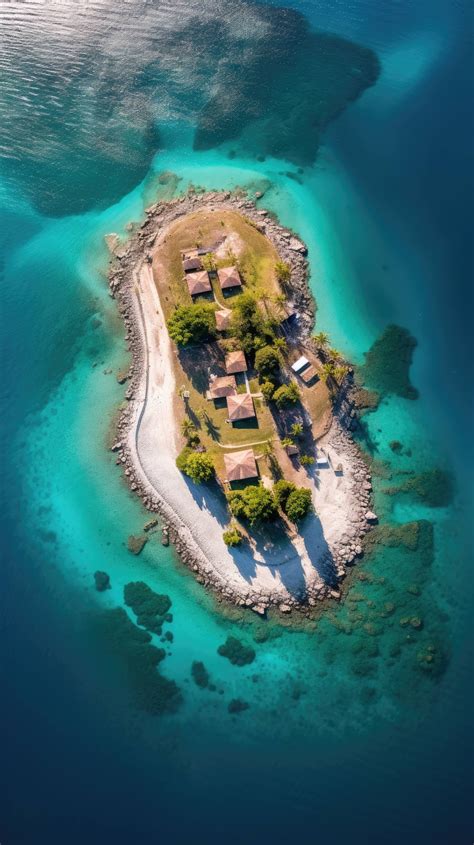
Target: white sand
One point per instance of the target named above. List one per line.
(278, 574)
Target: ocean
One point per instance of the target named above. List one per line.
(355, 121)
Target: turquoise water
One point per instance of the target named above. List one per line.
(347, 711)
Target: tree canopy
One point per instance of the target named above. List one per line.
(198, 465)
(267, 360)
(298, 504)
(192, 323)
(253, 503)
(287, 394)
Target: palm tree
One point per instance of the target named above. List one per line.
(334, 354)
(328, 372)
(297, 429)
(340, 373)
(321, 340)
(187, 427)
(268, 449)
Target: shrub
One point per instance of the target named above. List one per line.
(306, 460)
(267, 360)
(281, 491)
(268, 389)
(298, 504)
(197, 465)
(287, 394)
(254, 503)
(232, 537)
(192, 323)
(283, 272)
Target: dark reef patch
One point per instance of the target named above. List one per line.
(102, 581)
(433, 487)
(280, 100)
(259, 74)
(412, 535)
(387, 363)
(237, 652)
(237, 705)
(200, 674)
(150, 608)
(133, 648)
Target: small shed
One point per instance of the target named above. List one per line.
(198, 282)
(292, 450)
(229, 277)
(309, 374)
(300, 364)
(222, 386)
(235, 362)
(223, 319)
(240, 465)
(240, 407)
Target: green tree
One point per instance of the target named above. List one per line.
(187, 428)
(306, 460)
(321, 339)
(328, 373)
(268, 389)
(267, 360)
(298, 504)
(297, 429)
(283, 272)
(253, 503)
(281, 491)
(197, 465)
(208, 262)
(232, 537)
(192, 323)
(287, 394)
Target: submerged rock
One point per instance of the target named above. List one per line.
(102, 581)
(237, 652)
(135, 544)
(237, 705)
(200, 674)
(388, 361)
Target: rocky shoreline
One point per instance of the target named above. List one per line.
(127, 260)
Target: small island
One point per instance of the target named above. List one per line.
(237, 425)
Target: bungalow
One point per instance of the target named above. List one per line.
(198, 282)
(222, 386)
(223, 319)
(240, 465)
(229, 278)
(240, 407)
(235, 362)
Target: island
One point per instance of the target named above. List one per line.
(237, 425)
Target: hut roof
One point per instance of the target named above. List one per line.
(240, 465)
(308, 375)
(222, 386)
(198, 282)
(229, 277)
(223, 319)
(235, 362)
(190, 264)
(240, 407)
(300, 364)
(292, 449)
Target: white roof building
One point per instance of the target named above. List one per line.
(299, 364)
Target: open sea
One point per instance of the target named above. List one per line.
(355, 119)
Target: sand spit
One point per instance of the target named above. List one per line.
(298, 572)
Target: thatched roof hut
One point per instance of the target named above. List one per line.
(235, 362)
(229, 278)
(198, 282)
(222, 386)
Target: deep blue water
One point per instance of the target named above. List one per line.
(79, 763)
